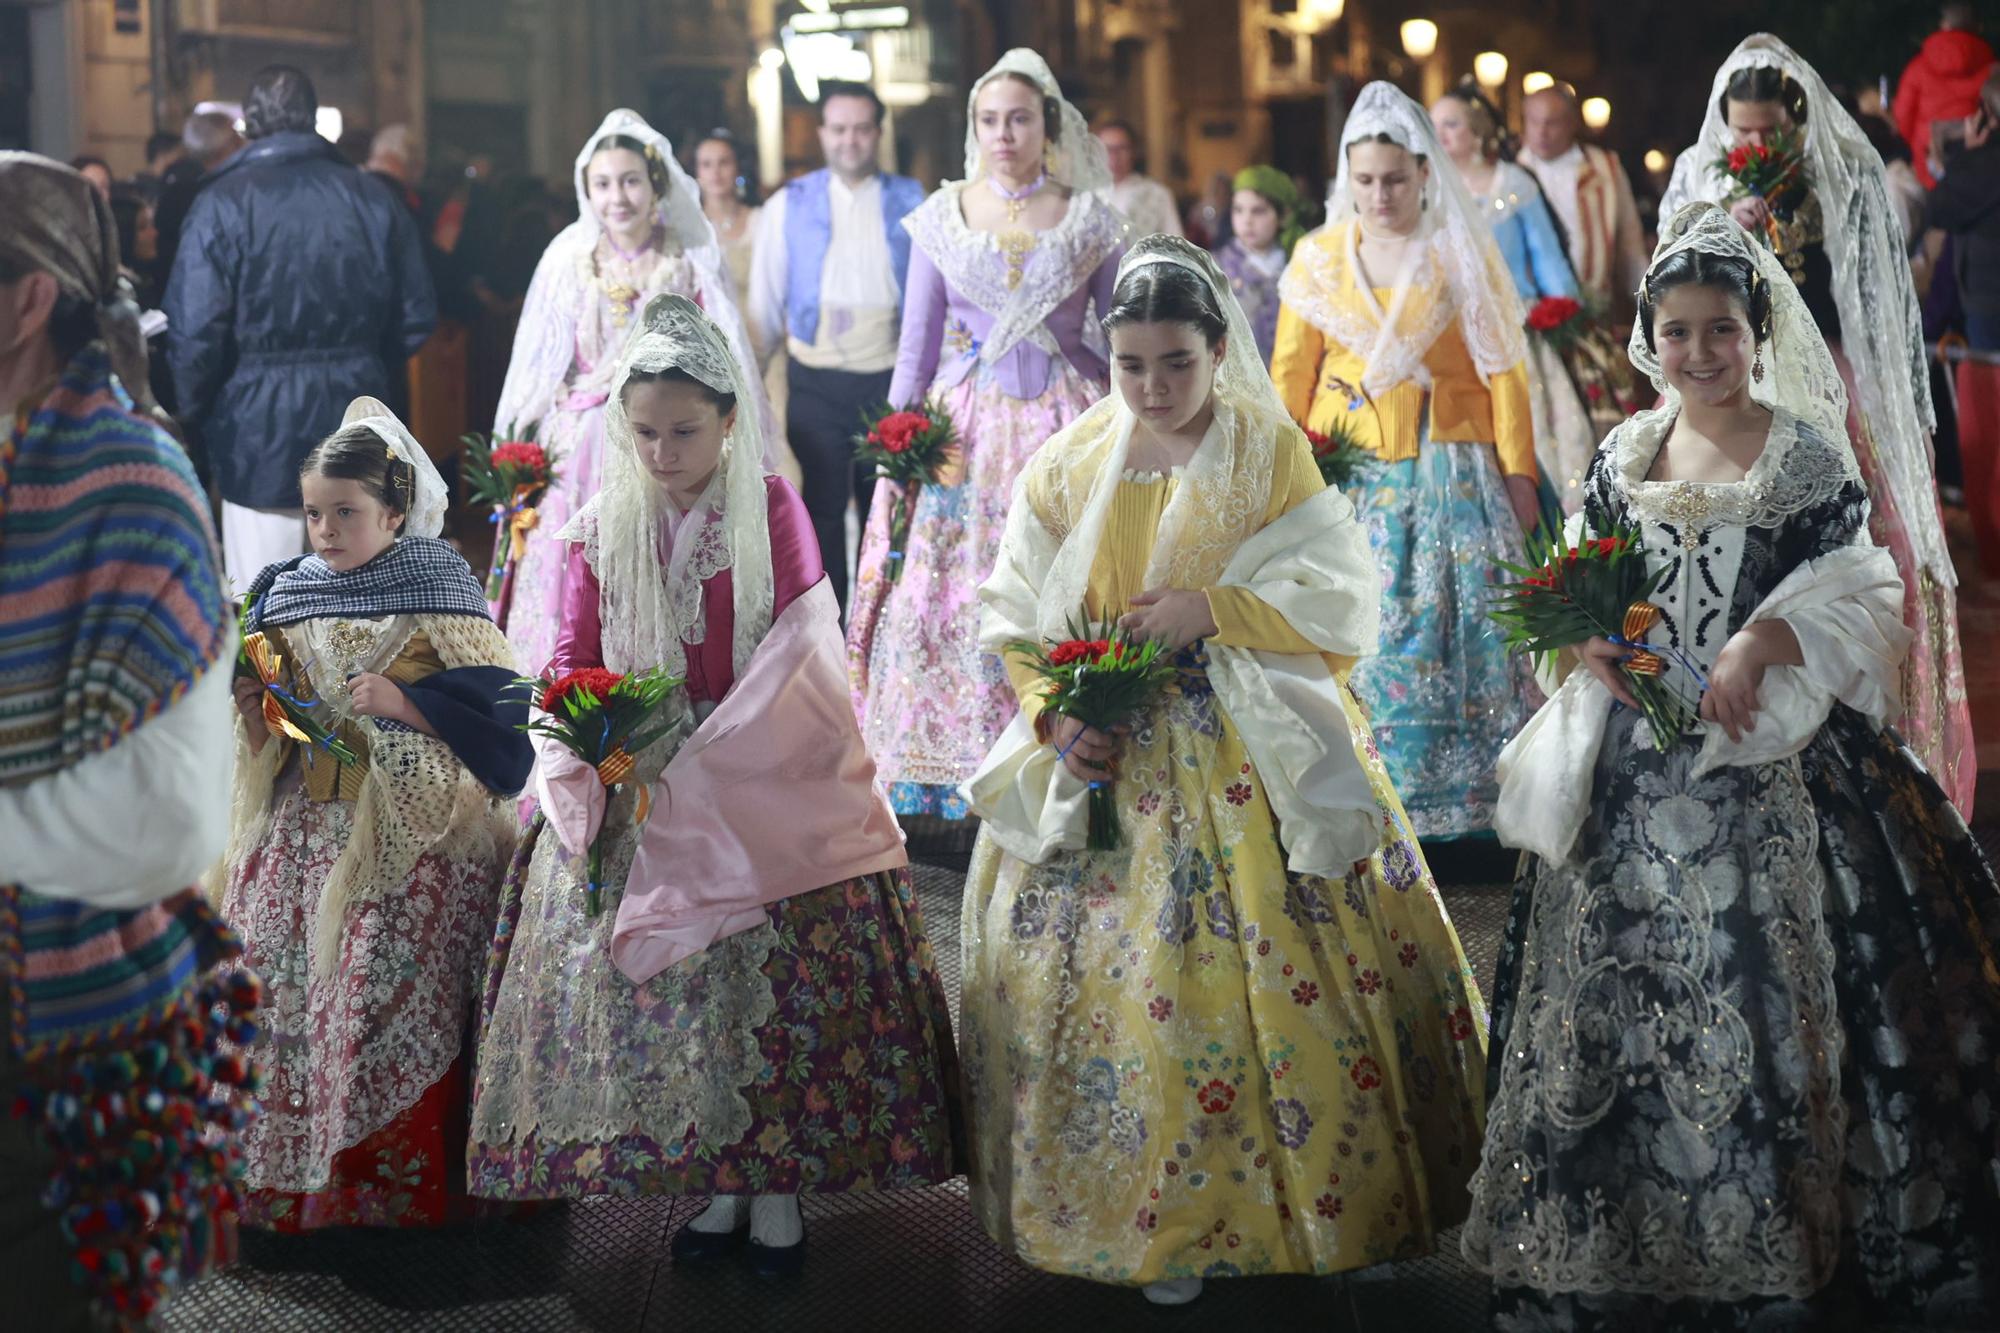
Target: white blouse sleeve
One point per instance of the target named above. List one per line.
(136, 823)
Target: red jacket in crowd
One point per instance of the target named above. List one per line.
(1941, 83)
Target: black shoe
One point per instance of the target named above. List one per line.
(707, 1247)
(776, 1261)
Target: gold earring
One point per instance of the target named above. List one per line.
(1757, 366)
(1048, 156)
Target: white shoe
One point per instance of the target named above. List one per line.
(1174, 1291)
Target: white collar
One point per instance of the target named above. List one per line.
(1571, 157)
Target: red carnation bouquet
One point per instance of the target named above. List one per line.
(909, 448)
(1343, 460)
(510, 477)
(1597, 587)
(604, 718)
(1597, 367)
(1558, 319)
(1773, 171)
(1103, 681)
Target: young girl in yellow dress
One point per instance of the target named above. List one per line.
(1180, 1052)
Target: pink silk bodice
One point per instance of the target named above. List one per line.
(795, 567)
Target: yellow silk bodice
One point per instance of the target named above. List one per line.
(325, 779)
(1463, 408)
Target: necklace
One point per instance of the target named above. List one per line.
(1017, 200)
(1385, 237)
(622, 293)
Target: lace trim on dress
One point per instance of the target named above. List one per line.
(1624, 986)
(973, 263)
(1798, 469)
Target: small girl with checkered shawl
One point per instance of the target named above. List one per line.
(363, 872)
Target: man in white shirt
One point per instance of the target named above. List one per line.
(828, 280)
(1592, 198)
(1149, 204)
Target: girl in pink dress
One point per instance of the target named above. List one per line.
(639, 232)
(758, 1013)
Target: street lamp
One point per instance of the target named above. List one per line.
(1536, 80)
(1420, 38)
(1490, 68)
(1656, 161)
(1596, 112)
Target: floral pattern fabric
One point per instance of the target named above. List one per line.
(352, 1050)
(834, 1071)
(1743, 1034)
(931, 703)
(1443, 693)
(1185, 1061)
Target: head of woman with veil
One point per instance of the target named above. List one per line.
(1019, 127)
(1722, 330)
(366, 485)
(681, 452)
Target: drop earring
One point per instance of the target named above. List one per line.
(1757, 366)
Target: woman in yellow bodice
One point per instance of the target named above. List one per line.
(1400, 334)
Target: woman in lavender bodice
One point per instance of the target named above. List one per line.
(1005, 267)
(640, 232)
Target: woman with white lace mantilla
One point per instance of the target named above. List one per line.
(640, 231)
(1747, 1001)
(1842, 247)
(1245, 1040)
(761, 1014)
(1401, 331)
(1005, 267)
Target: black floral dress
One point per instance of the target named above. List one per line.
(1746, 1035)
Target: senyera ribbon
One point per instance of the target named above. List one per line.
(1640, 617)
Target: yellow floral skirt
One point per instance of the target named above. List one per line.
(1185, 1061)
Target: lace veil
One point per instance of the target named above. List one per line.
(546, 343)
(627, 528)
(1459, 253)
(1881, 326)
(428, 497)
(1077, 159)
(1798, 468)
(1226, 487)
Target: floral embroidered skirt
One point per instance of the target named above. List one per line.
(1185, 1061)
(931, 703)
(813, 1053)
(1743, 1052)
(364, 1090)
(1443, 693)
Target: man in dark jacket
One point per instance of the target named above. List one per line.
(299, 286)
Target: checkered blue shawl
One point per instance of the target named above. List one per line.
(416, 576)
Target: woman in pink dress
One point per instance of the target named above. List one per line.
(756, 1013)
(1002, 276)
(639, 232)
